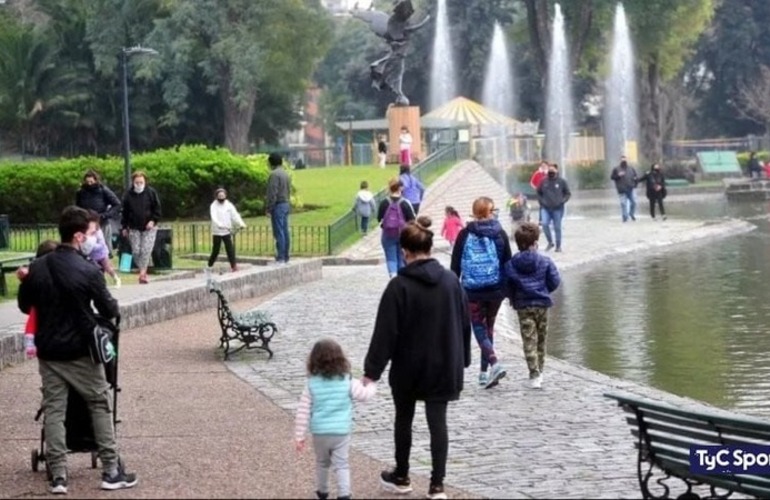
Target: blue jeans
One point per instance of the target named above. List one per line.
(552, 215)
(394, 258)
(364, 224)
(280, 221)
(627, 204)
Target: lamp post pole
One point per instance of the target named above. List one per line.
(125, 54)
(350, 140)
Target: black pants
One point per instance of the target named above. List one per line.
(229, 248)
(435, 413)
(659, 201)
(416, 207)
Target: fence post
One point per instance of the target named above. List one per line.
(39, 234)
(329, 240)
(194, 240)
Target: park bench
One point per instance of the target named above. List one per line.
(11, 264)
(664, 434)
(251, 329)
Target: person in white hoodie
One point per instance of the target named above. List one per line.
(225, 221)
(364, 206)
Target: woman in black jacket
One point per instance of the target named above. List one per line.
(141, 212)
(656, 189)
(423, 329)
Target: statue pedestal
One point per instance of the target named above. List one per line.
(409, 117)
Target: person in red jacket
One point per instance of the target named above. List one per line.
(534, 181)
(30, 327)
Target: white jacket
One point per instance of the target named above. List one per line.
(225, 218)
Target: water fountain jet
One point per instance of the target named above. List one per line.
(558, 119)
(442, 73)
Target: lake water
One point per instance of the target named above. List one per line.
(692, 320)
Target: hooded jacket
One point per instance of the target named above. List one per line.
(413, 190)
(530, 278)
(424, 329)
(140, 208)
(652, 179)
(225, 218)
(553, 193)
(490, 228)
(364, 204)
(627, 182)
(98, 198)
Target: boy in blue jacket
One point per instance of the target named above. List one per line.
(530, 279)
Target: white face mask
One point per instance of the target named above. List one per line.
(138, 188)
(88, 245)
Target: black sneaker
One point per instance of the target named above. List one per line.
(391, 482)
(59, 486)
(119, 480)
(436, 492)
(549, 247)
(322, 496)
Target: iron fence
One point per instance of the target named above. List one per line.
(306, 241)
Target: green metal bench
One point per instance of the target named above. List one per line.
(251, 329)
(664, 435)
(11, 264)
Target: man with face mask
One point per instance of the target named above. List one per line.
(552, 194)
(62, 286)
(225, 221)
(625, 179)
(94, 195)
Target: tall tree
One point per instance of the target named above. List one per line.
(239, 46)
(664, 33)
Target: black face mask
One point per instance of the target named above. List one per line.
(552, 175)
(221, 200)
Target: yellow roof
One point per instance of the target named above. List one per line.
(462, 109)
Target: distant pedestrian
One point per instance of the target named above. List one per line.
(553, 194)
(656, 189)
(382, 152)
(326, 406)
(225, 222)
(755, 167)
(141, 213)
(452, 226)
(278, 206)
(478, 257)
(364, 206)
(518, 210)
(534, 181)
(423, 330)
(405, 147)
(530, 279)
(94, 195)
(413, 187)
(625, 179)
(393, 214)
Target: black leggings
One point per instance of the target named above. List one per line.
(435, 413)
(659, 201)
(229, 248)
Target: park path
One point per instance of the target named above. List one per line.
(191, 429)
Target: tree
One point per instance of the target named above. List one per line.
(753, 100)
(664, 35)
(239, 46)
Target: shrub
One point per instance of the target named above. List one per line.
(743, 159)
(594, 175)
(185, 178)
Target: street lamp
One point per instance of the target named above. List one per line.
(350, 140)
(125, 54)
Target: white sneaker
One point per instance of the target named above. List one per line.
(117, 281)
(536, 383)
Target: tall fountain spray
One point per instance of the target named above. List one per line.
(558, 118)
(498, 95)
(621, 124)
(442, 73)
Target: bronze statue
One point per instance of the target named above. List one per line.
(388, 72)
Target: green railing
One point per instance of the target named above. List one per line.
(345, 229)
(195, 238)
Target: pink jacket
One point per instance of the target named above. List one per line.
(451, 228)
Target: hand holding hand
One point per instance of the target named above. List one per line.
(366, 380)
(22, 272)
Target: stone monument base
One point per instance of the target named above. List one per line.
(400, 116)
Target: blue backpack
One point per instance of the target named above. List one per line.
(480, 265)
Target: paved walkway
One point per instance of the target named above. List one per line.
(193, 430)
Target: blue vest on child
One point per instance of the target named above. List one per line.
(332, 411)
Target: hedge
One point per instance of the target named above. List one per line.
(185, 178)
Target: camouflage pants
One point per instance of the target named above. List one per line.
(533, 323)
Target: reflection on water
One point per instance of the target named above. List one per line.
(694, 320)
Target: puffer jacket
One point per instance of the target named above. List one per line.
(530, 278)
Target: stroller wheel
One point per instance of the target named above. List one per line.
(94, 455)
(35, 460)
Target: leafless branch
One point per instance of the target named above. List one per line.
(753, 99)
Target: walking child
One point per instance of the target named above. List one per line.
(364, 206)
(531, 278)
(453, 224)
(326, 405)
(30, 327)
(95, 247)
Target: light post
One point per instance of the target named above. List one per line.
(350, 140)
(125, 54)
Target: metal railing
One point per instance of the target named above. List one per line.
(195, 238)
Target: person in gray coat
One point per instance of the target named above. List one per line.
(625, 179)
(364, 206)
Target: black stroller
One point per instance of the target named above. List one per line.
(77, 422)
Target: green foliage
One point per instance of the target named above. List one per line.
(743, 158)
(592, 175)
(185, 178)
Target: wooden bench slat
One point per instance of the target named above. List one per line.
(708, 433)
